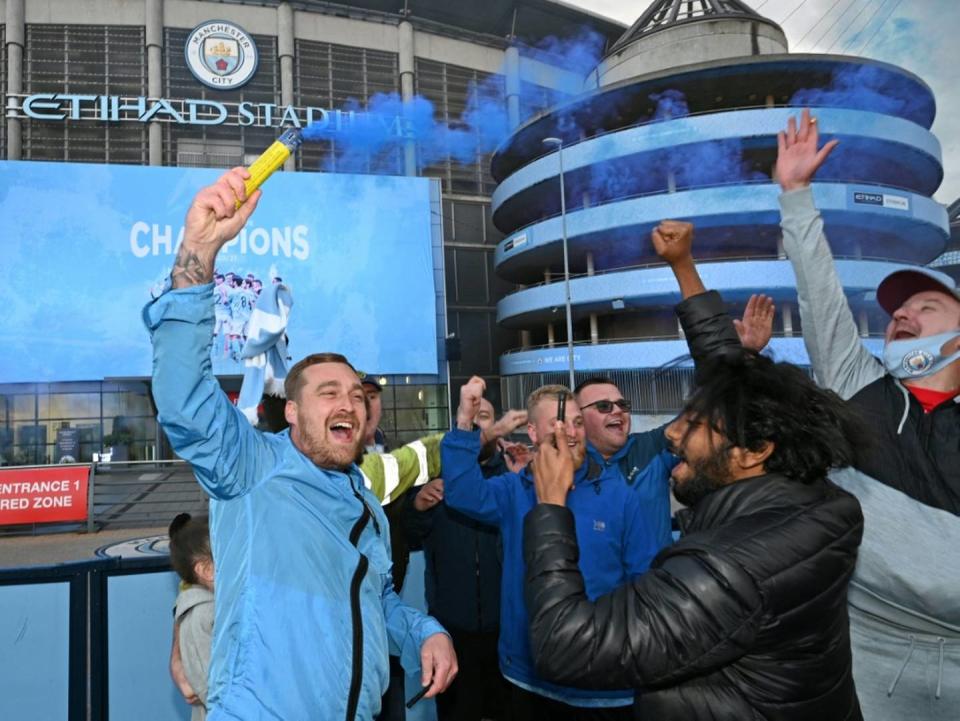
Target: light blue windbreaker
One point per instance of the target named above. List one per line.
(300, 553)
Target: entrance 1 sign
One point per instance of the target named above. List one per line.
(43, 495)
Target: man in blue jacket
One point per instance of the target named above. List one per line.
(305, 607)
(606, 413)
(620, 536)
(606, 419)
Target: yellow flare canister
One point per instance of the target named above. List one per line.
(271, 159)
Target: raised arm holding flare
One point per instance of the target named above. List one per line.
(904, 615)
(305, 608)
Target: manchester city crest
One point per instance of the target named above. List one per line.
(221, 54)
(917, 361)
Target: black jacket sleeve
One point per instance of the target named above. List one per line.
(692, 613)
(708, 327)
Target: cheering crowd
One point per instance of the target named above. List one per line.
(813, 572)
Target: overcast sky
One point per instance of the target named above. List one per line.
(919, 35)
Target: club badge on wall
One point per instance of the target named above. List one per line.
(221, 54)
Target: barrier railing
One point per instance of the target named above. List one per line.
(88, 641)
(137, 494)
(129, 494)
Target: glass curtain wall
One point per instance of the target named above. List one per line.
(107, 414)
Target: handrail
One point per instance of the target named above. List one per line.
(665, 192)
(100, 464)
(636, 339)
(707, 261)
(557, 111)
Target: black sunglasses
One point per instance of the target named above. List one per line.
(606, 406)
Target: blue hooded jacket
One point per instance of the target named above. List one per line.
(305, 608)
(618, 530)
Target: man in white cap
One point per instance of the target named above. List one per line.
(904, 609)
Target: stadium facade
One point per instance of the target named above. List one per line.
(680, 120)
(107, 81)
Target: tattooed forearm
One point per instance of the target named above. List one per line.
(190, 269)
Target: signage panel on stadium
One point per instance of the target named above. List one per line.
(43, 495)
(883, 200)
(189, 111)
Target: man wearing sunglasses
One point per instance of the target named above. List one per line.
(606, 413)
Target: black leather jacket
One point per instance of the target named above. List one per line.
(744, 618)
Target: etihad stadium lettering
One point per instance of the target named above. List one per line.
(187, 111)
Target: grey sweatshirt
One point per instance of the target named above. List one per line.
(905, 594)
(194, 612)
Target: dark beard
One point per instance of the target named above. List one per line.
(708, 476)
(323, 454)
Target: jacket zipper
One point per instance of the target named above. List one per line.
(356, 617)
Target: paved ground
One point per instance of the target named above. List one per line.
(52, 548)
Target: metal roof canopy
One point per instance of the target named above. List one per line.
(663, 14)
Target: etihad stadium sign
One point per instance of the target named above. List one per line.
(222, 56)
(189, 111)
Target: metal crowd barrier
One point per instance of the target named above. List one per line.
(89, 641)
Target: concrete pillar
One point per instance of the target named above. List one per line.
(154, 38)
(594, 326)
(551, 338)
(407, 67)
(786, 311)
(285, 50)
(862, 324)
(524, 339)
(15, 34)
(781, 251)
(771, 102)
(511, 63)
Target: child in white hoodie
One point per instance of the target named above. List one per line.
(192, 559)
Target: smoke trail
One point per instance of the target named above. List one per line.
(872, 88)
(670, 104)
(371, 138)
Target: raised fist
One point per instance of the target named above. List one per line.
(470, 394)
(673, 240)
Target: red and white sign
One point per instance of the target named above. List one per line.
(43, 495)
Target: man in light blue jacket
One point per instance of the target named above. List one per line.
(305, 608)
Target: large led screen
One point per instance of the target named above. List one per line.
(86, 246)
